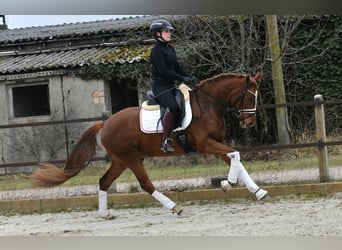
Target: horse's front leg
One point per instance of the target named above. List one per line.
(236, 170)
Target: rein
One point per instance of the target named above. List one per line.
(162, 93)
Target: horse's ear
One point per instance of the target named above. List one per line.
(258, 76)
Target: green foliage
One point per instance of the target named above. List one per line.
(210, 45)
(312, 65)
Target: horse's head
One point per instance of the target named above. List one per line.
(239, 92)
(245, 104)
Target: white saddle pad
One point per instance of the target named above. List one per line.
(149, 118)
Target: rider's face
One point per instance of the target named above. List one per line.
(166, 35)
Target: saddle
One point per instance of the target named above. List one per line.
(182, 95)
(151, 112)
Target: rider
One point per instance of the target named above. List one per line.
(165, 70)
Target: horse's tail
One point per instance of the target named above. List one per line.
(50, 175)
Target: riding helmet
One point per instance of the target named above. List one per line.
(160, 25)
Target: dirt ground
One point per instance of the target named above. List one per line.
(278, 216)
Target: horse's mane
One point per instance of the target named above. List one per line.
(220, 77)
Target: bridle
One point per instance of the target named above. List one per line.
(231, 108)
(240, 99)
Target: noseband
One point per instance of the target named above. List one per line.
(239, 112)
(240, 99)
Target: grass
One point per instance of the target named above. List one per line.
(91, 174)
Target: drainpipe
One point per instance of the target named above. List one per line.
(65, 117)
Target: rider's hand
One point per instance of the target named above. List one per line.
(187, 79)
(190, 80)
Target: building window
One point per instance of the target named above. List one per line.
(31, 100)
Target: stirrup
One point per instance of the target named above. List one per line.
(167, 146)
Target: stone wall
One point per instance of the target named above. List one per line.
(70, 97)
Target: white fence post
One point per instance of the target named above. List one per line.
(321, 138)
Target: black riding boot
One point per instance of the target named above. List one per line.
(168, 123)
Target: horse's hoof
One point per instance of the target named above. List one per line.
(261, 194)
(177, 210)
(107, 216)
(225, 185)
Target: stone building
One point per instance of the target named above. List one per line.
(41, 80)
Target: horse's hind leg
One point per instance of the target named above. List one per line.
(146, 184)
(105, 182)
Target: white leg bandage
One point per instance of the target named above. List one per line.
(247, 180)
(234, 167)
(238, 170)
(102, 202)
(166, 202)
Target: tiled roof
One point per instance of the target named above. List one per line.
(73, 58)
(18, 62)
(71, 30)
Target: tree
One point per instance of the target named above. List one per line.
(209, 45)
(278, 81)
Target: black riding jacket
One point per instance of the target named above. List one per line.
(164, 62)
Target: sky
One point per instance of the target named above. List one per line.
(21, 21)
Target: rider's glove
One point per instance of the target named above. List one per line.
(190, 80)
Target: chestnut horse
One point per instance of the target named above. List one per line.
(127, 145)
